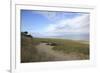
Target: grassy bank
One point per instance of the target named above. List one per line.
(29, 52)
(70, 46)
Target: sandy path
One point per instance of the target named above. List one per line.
(47, 49)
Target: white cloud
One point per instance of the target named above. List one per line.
(52, 16)
(79, 24)
(65, 24)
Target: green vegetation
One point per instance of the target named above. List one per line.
(73, 47)
(69, 46)
(29, 52)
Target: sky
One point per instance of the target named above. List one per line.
(56, 24)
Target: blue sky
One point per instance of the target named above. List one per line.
(52, 23)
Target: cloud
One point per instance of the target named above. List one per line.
(79, 24)
(55, 15)
(65, 24)
(50, 15)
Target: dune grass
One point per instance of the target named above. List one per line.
(29, 53)
(70, 46)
